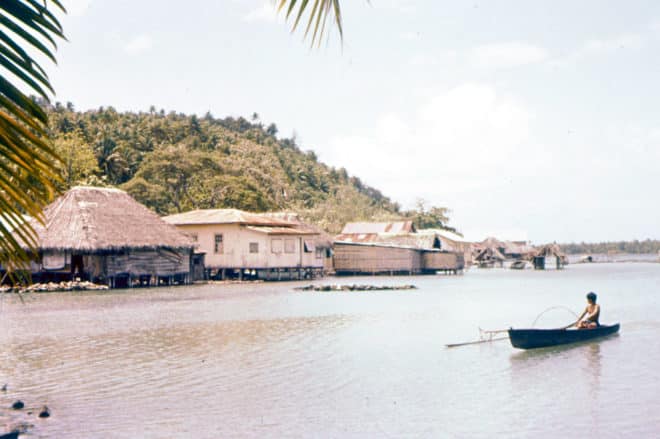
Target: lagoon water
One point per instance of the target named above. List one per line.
(262, 360)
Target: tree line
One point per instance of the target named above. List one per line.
(648, 246)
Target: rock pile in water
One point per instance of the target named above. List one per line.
(355, 287)
(74, 285)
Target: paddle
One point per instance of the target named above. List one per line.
(569, 326)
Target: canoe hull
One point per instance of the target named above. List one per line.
(541, 338)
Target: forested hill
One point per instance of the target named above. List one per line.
(174, 162)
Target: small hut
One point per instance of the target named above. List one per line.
(489, 257)
(551, 251)
(104, 235)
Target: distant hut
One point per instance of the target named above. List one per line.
(248, 245)
(489, 257)
(104, 235)
(552, 251)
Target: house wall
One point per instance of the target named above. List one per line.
(460, 247)
(99, 267)
(235, 252)
(434, 261)
(161, 262)
(369, 259)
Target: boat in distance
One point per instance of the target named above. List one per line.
(541, 338)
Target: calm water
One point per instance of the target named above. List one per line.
(264, 361)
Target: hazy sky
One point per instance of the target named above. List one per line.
(530, 120)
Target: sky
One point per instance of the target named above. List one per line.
(530, 120)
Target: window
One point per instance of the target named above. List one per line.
(309, 246)
(320, 253)
(219, 245)
(289, 246)
(254, 247)
(276, 245)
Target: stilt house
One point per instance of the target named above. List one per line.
(104, 235)
(322, 241)
(241, 244)
(392, 248)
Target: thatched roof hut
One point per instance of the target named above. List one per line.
(95, 220)
(104, 235)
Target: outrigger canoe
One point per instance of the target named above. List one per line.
(540, 338)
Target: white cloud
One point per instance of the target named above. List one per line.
(410, 36)
(139, 44)
(628, 41)
(462, 138)
(433, 59)
(266, 12)
(404, 6)
(507, 55)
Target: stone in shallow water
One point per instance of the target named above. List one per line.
(44, 413)
(17, 405)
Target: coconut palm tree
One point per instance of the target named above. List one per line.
(316, 18)
(27, 171)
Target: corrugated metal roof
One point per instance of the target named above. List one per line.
(281, 230)
(377, 244)
(447, 234)
(225, 216)
(323, 240)
(414, 240)
(368, 228)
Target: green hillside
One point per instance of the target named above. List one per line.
(174, 162)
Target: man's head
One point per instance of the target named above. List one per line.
(591, 297)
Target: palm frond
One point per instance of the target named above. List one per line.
(27, 171)
(316, 19)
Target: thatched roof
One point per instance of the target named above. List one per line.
(489, 254)
(550, 250)
(93, 219)
(225, 216)
(421, 240)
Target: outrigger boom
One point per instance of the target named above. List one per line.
(484, 337)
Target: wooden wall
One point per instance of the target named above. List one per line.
(370, 259)
(442, 261)
(160, 262)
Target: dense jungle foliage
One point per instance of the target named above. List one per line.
(173, 162)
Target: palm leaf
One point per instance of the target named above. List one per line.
(27, 160)
(316, 19)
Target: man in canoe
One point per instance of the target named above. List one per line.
(589, 317)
